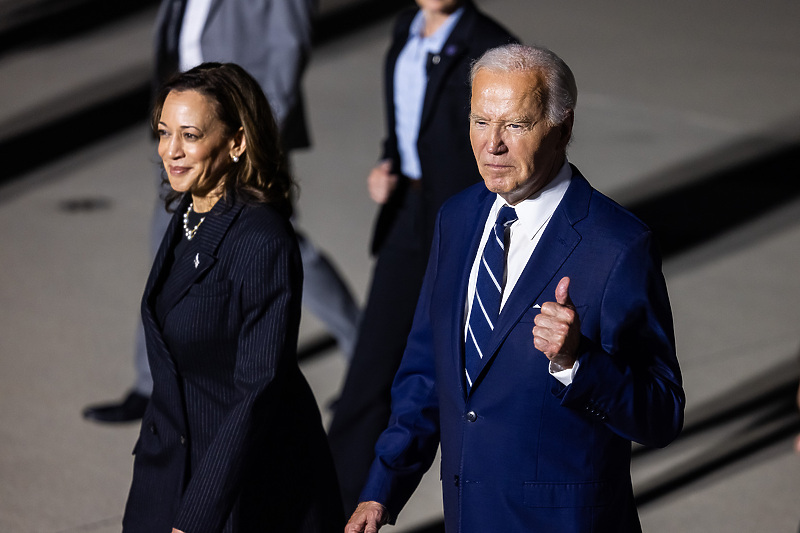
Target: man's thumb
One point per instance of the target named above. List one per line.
(562, 292)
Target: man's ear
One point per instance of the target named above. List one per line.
(566, 130)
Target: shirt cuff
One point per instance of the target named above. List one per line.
(566, 375)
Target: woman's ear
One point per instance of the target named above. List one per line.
(238, 143)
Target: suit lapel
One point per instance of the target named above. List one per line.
(399, 40)
(198, 258)
(439, 65)
(212, 12)
(468, 240)
(155, 279)
(558, 241)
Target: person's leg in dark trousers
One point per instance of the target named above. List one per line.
(362, 412)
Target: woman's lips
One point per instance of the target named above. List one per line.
(176, 171)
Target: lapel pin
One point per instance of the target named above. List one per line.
(197, 260)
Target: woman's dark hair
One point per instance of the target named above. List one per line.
(262, 174)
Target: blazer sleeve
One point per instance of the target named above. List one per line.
(279, 53)
(270, 290)
(629, 378)
(407, 448)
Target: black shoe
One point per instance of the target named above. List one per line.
(130, 409)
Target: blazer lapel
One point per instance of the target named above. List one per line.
(469, 241)
(179, 278)
(199, 256)
(439, 65)
(212, 12)
(558, 241)
(154, 280)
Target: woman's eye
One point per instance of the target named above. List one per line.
(189, 136)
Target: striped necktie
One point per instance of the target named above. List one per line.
(488, 294)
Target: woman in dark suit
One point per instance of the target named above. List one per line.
(232, 439)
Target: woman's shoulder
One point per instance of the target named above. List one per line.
(262, 222)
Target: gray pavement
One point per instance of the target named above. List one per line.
(669, 95)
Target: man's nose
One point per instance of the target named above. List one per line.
(495, 144)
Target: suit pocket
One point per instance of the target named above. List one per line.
(530, 315)
(555, 495)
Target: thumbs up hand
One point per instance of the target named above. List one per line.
(557, 332)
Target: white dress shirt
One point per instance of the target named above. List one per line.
(533, 214)
(410, 84)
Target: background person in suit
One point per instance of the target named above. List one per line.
(426, 158)
(271, 39)
(797, 439)
(535, 378)
(232, 439)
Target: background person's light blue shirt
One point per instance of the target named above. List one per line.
(410, 82)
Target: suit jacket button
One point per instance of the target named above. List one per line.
(183, 440)
(153, 429)
(471, 416)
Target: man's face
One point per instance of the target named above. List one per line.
(518, 152)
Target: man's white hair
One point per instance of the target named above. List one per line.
(561, 91)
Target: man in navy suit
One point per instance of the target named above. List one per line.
(425, 160)
(535, 403)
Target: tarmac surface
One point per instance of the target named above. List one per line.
(688, 113)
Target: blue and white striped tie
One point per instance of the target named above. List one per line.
(488, 294)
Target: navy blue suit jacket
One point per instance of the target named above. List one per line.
(232, 438)
(521, 451)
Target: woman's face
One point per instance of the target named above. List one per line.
(444, 7)
(193, 144)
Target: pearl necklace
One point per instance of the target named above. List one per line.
(186, 231)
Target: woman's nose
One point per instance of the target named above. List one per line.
(173, 149)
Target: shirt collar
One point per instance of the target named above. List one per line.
(534, 212)
(436, 41)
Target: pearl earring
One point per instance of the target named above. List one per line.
(235, 158)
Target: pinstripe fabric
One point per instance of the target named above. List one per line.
(232, 439)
